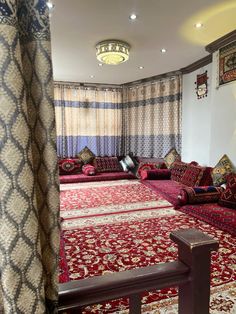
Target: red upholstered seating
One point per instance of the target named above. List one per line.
(178, 169)
(89, 170)
(169, 189)
(228, 197)
(107, 164)
(192, 175)
(70, 166)
(199, 195)
(98, 177)
(214, 214)
(206, 179)
(155, 174)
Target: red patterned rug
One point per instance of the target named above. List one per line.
(99, 239)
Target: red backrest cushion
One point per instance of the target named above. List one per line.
(206, 179)
(192, 175)
(228, 197)
(70, 166)
(107, 164)
(178, 169)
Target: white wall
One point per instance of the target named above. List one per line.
(209, 124)
(196, 117)
(223, 126)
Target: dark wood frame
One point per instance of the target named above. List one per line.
(191, 272)
(222, 41)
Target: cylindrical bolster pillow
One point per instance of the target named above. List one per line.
(155, 174)
(89, 170)
(196, 195)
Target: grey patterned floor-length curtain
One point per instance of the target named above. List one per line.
(152, 117)
(29, 197)
(88, 116)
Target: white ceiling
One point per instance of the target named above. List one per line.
(77, 25)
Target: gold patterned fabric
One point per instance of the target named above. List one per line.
(221, 170)
(171, 157)
(86, 155)
(29, 194)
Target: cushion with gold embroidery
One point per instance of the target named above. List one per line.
(86, 155)
(171, 157)
(221, 170)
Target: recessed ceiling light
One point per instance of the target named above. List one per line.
(92, 76)
(163, 50)
(141, 67)
(198, 25)
(100, 64)
(133, 16)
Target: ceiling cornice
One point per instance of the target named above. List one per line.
(197, 65)
(153, 78)
(222, 41)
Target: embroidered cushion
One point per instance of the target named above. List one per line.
(155, 174)
(171, 157)
(88, 170)
(192, 175)
(221, 170)
(107, 164)
(197, 195)
(228, 197)
(86, 155)
(70, 166)
(178, 169)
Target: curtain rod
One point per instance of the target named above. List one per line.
(131, 85)
(93, 85)
(160, 77)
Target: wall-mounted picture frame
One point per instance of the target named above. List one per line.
(202, 85)
(227, 64)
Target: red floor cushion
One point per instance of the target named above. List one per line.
(192, 175)
(201, 194)
(228, 197)
(178, 169)
(98, 177)
(214, 214)
(169, 189)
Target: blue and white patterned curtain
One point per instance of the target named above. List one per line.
(151, 117)
(29, 196)
(88, 117)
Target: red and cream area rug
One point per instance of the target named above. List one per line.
(120, 225)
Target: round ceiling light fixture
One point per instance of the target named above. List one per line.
(112, 51)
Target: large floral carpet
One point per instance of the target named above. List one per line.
(116, 226)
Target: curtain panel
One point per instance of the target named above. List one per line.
(29, 194)
(151, 117)
(88, 117)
